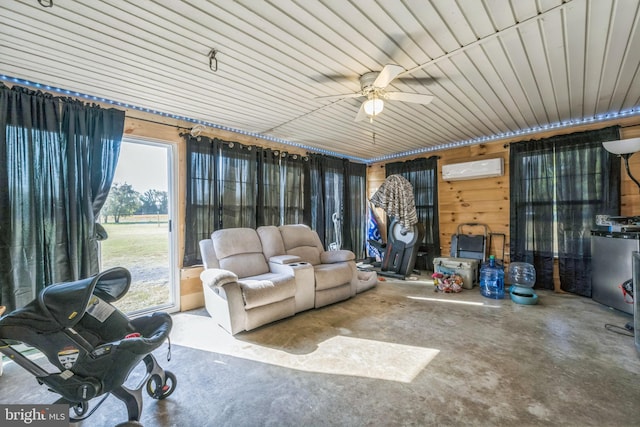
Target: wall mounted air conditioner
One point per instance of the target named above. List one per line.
(472, 170)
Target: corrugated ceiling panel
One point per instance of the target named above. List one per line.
(599, 16)
(575, 32)
(554, 40)
(501, 13)
(493, 66)
(619, 44)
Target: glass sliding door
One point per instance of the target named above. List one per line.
(137, 217)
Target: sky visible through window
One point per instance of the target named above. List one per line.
(142, 166)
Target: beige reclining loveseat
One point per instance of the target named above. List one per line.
(254, 277)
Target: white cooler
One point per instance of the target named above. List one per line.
(467, 268)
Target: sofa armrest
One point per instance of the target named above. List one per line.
(331, 257)
(284, 259)
(223, 299)
(216, 277)
(305, 281)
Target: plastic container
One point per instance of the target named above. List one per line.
(523, 295)
(464, 267)
(492, 280)
(522, 274)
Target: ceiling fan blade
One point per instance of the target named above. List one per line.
(344, 95)
(388, 73)
(361, 114)
(416, 98)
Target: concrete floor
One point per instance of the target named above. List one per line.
(399, 354)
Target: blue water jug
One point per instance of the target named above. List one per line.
(492, 279)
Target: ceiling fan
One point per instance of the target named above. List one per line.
(372, 87)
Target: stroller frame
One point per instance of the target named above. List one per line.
(132, 398)
(80, 381)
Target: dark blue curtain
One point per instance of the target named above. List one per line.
(269, 190)
(57, 160)
(354, 228)
(235, 185)
(293, 181)
(337, 201)
(282, 187)
(238, 185)
(557, 187)
(422, 174)
(202, 216)
(328, 199)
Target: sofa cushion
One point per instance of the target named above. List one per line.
(245, 265)
(306, 253)
(257, 293)
(239, 250)
(300, 240)
(332, 275)
(271, 241)
(341, 255)
(295, 235)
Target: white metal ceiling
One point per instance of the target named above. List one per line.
(494, 66)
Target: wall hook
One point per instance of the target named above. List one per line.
(213, 61)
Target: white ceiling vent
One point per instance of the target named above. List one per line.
(472, 170)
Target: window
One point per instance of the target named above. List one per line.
(234, 185)
(557, 187)
(139, 225)
(237, 186)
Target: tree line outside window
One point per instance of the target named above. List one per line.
(124, 200)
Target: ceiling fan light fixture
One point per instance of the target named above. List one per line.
(373, 106)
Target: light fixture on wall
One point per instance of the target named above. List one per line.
(625, 149)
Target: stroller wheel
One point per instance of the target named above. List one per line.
(80, 408)
(157, 390)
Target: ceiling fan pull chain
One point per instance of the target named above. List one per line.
(373, 131)
(213, 62)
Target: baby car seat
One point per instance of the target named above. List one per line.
(93, 344)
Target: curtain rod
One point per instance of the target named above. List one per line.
(159, 123)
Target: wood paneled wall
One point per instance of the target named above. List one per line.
(486, 200)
